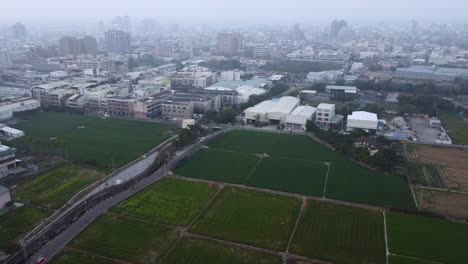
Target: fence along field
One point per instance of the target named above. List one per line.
(125, 239)
(255, 218)
(91, 140)
(55, 187)
(340, 234)
(170, 201)
(232, 158)
(196, 251)
(427, 238)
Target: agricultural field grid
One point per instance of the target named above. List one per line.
(178, 220)
(294, 164)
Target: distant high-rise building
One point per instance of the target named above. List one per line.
(5, 61)
(117, 41)
(337, 26)
(19, 31)
(122, 23)
(297, 33)
(88, 45)
(75, 46)
(229, 43)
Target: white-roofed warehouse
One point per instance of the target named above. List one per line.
(272, 111)
(298, 118)
(362, 120)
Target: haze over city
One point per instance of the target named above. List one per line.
(240, 132)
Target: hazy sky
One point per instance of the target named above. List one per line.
(235, 11)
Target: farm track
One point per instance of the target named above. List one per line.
(442, 190)
(301, 196)
(299, 217)
(425, 260)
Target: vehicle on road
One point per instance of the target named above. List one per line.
(41, 260)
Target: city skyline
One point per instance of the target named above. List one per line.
(239, 12)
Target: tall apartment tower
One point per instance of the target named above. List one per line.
(117, 41)
(5, 61)
(19, 31)
(229, 43)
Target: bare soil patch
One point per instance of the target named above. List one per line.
(446, 203)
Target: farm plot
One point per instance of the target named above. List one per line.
(125, 239)
(196, 251)
(170, 201)
(290, 175)
(442, 202)
(91, 140)
(426, 175)
(274, 144)
(427, 238)
(451, 162)
(348, 181)
(231, 167)
(76, 257)
(256, 218)
(55, 187)
(340, 234)
(17, 222)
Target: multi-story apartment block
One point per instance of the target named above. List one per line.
(177, 110)
(325, 114)
(121, 106)
(192, 79)
(5, 60)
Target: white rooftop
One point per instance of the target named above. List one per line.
(304, 110)
(362, 115)
(346, 88)
(53, 85)
(276, 77)
(324, 106)
(283, 105)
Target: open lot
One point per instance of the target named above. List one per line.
(170, 201)
(196, 251)
(456, 126)
(451, 163)
(290, 175)
(427, 238)
(56, 186)
(209, 164)
(256, 218)
(91, 140)
(441, 202)
(17, 222)
(75, 257)
(125, 239)
(424, 132)
(294, 163)
(340, 234)
(352, 182)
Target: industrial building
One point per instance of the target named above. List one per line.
(325, 114)
(324, 76)
(362, 120)
(272, 111)
(7, 110)
(298, 118)
(431, 73)
(341, 89)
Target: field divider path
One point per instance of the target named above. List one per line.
(316, 198)
(253, 170)
(326, 178)
(208, 204)
(387, 251)
(424, 260)
(442, 190)
(137, 219)
(84, 252)
(299, 217)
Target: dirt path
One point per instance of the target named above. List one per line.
(365, 206)
(387, 251)
(299, 217)
(84, 252)
(326, 179)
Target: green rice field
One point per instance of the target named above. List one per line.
(255, 218)
(170, 201)
(457, 127)
(91, 140)
(125, 239)
(196, 251)
(427, 238)
(340, 234)
(55, 187)
(392, 259)
(76, 257)
(18, 221)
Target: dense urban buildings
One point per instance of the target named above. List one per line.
(117, 41)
